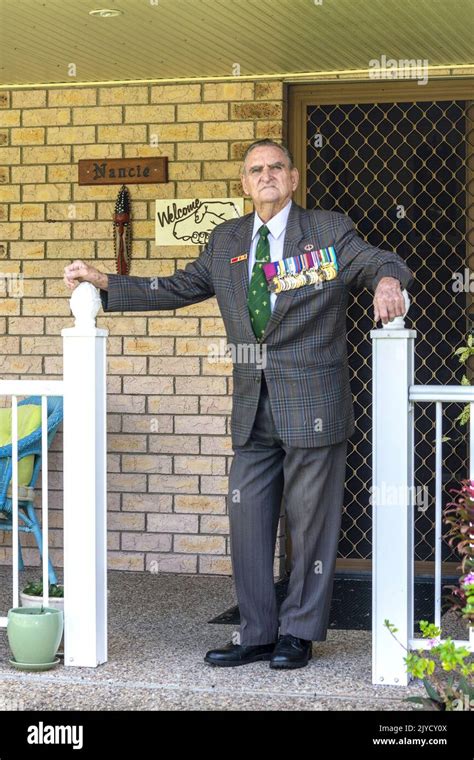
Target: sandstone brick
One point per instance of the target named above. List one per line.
(266, 110)
(198, 465)
(70, 249)
(214, 484)
(120, 365)
(165, 523)
(28, 174)
(171, 563)
(71, 211)
(9, 118)
(199, 544)
(28, 98)
(10, 194)
(127, 443)
(9, 345)
(199, 504)
(173, 326)
(57, 154)
(146, 463)
(41, 345)
(76, 96)
(215, 405)
(122, 561)
(156, 149)
(145, 542)
(49, 192)
(174, 365)
(272, 90)
(127, 482)
(9, 231)
(43, 117)
(229, 91)
(97, 115)
(46, 231)
(172, 483)
(141, 502)
(271, 129)
(156, 346)
(126, 521)
(187, 170)
(215, 565)
(175, 132)
(121, 95)
(201, 385)
(214, 524)
(203, 151)
(200, 424)
(203, 112)
(20, 364)
(180, 93)
(222, 170)
(10, 156)
(237, 149)
(29, 325)
(96, 151)
(27, 212)
(123, 403)
(122, 134)
(223, 130)
(174, 444)
(202, 190)
(149, 114)
(65, 173)
(27, 136)
(173, 404)
(144, 385)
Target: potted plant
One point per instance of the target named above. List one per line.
(30, 595)
(444, 692)
(460, 518)
(34, 634)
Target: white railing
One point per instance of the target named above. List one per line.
(15, 388)
(84, 473)
(394, 395)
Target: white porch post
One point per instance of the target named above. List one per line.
(85, 491)
(392, 499)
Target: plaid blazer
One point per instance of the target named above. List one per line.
(303, 352)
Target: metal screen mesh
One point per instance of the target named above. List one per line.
(399, 171)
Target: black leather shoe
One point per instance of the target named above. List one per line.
(291, 652)
(239, 654)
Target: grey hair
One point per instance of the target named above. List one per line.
(263, 143)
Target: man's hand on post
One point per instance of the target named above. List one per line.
(79, 271)
(388, 300)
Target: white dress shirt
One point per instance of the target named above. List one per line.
(276, 237)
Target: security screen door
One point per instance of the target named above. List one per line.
(398, 159)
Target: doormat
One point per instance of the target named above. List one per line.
(351, 607)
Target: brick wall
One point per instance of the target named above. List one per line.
(168, 407)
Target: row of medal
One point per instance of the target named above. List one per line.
(309, 268)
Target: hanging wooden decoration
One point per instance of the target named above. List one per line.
(122, 231)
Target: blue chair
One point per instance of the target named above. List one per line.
(30, 444)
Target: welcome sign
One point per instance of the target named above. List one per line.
(190, 221)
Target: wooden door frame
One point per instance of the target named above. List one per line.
(335, 93)
(298, 97)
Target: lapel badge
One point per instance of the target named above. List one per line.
(242, 257)
(309, 247)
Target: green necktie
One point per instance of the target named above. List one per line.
(259, 297)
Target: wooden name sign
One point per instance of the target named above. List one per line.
(120, 171)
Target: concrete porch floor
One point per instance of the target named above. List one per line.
(158, 636)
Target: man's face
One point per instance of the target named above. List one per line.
(267, 177)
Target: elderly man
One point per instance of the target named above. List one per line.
(281, 276)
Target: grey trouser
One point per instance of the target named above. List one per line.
(311, 482)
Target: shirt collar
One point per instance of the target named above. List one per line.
(276, 224)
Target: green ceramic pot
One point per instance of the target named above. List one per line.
(34, 634)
